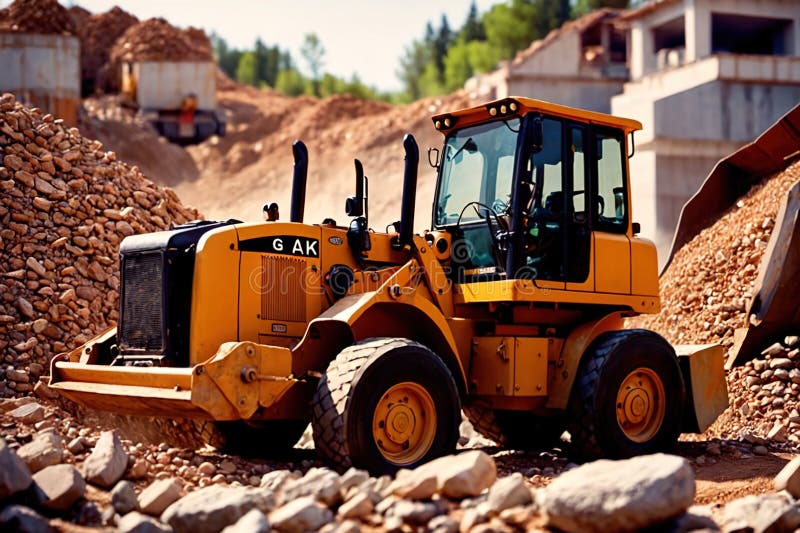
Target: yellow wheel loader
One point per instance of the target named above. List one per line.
(511, 309)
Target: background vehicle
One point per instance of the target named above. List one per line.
(511, 308)
(178, 97)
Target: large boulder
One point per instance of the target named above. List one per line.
(762, 513)
(462, 475)
(299, 515)
(215, 507)
(155, 499)
(788, 478)
(123, 497)
(507, 492)
(618, 496)
(43, 451)
(14, 473)
(107, 462)
(62, 485)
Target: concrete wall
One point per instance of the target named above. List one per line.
(724, 110)
(561, 57)
(42, 71)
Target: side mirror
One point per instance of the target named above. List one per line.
(433, 157)
(636, 228)
(537, 135)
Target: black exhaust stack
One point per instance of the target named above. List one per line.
(298, 206)
(409, 190)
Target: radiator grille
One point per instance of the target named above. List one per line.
(283, 287)
(141, 323)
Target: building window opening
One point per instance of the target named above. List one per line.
(740, 34)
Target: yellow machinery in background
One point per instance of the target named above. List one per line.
(511, 308)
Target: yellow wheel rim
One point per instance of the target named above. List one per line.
(404, 423)
(641, 405)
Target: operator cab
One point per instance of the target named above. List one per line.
(524, 185)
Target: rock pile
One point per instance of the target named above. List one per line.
(79, 16)
(157, 40)
(65, 206)
(100, 480)
(36, 16)
(765, 398)
(98, 34)
(706, 288)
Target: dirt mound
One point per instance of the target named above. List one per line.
(98, 34)
(706, 288)
(253, 163)
(66, 205)
(36, 16)
(157, 40)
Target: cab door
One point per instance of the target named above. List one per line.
(612, 247)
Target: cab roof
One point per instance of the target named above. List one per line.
(519, 106)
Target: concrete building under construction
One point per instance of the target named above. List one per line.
(707, 76)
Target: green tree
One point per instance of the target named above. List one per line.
(441, 45)
(473, 29)
(457, 66)
(509, 26)
(313, 52)
(291, 82)
(246, 71)
(412, 64)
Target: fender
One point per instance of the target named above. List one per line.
(401, 307)
(562, 376)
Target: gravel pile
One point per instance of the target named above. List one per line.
(65, 206)
(157, 40)
(79, 16)
(706, 288)
(765, 398)
(36, 16)
(98, 34)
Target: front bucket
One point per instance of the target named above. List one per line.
(703, 368)
(168, 391)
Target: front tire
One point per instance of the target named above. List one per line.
(385, 404)
(628, 396)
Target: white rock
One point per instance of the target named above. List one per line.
(215, 507)
(618, 496)
(507, 492)
(462, 475)
(107, 462)
(123, 497)
(788, 478)
(252, 522)
(62, 485)
(357, 506)
(155, 499)
(43, 451)
(299, 515)
(761, 513)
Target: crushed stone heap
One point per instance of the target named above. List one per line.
(98, 34)
(157, 40)
(65, 205)
(36, 16)
(705, 290)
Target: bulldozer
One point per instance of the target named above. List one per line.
(510, 309)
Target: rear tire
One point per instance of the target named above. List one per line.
(385, 404)
(628, 396)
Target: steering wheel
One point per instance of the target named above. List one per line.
(502, 226)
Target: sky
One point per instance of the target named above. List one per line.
(366, 37)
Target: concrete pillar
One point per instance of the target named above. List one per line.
(640, 50)
(697, 29)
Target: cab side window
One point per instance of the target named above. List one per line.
(610, 203)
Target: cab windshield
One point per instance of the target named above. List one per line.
(477, 169)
